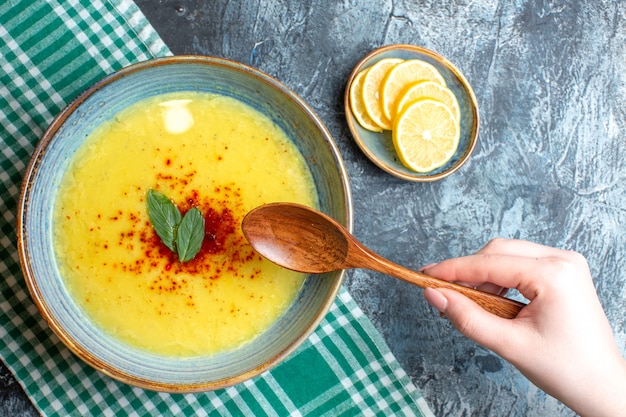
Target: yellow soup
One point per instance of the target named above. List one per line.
(200, 150)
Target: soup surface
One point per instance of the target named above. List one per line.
(201, 150)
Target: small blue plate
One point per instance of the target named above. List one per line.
(378, 147)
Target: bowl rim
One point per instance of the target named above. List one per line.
(22, 219)
(351, 120)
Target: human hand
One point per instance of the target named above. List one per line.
(561, 340)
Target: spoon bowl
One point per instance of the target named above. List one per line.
(300, 238)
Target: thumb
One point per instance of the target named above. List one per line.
(469, 318)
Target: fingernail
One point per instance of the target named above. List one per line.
(436, 299)
(425, 267)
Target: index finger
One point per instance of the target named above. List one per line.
(517, 247)
(508, 271)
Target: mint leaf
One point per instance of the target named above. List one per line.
(190, 235)
(181, 234)
(165, 218)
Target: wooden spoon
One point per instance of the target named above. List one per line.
(302, 239)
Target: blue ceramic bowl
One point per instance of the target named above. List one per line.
(378, 147)
(51, 158)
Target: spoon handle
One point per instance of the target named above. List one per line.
(498, 305)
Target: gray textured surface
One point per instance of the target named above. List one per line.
(549, 167)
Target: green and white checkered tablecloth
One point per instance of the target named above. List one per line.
(50, 51)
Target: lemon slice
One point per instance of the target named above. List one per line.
(428, 89)
(358, 106)
(399, 76)
(371, 91)
(425, 135)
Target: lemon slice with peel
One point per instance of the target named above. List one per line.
(371, 90)
(398, 77)
(428, 89)
(357, 104)
(425, 135)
